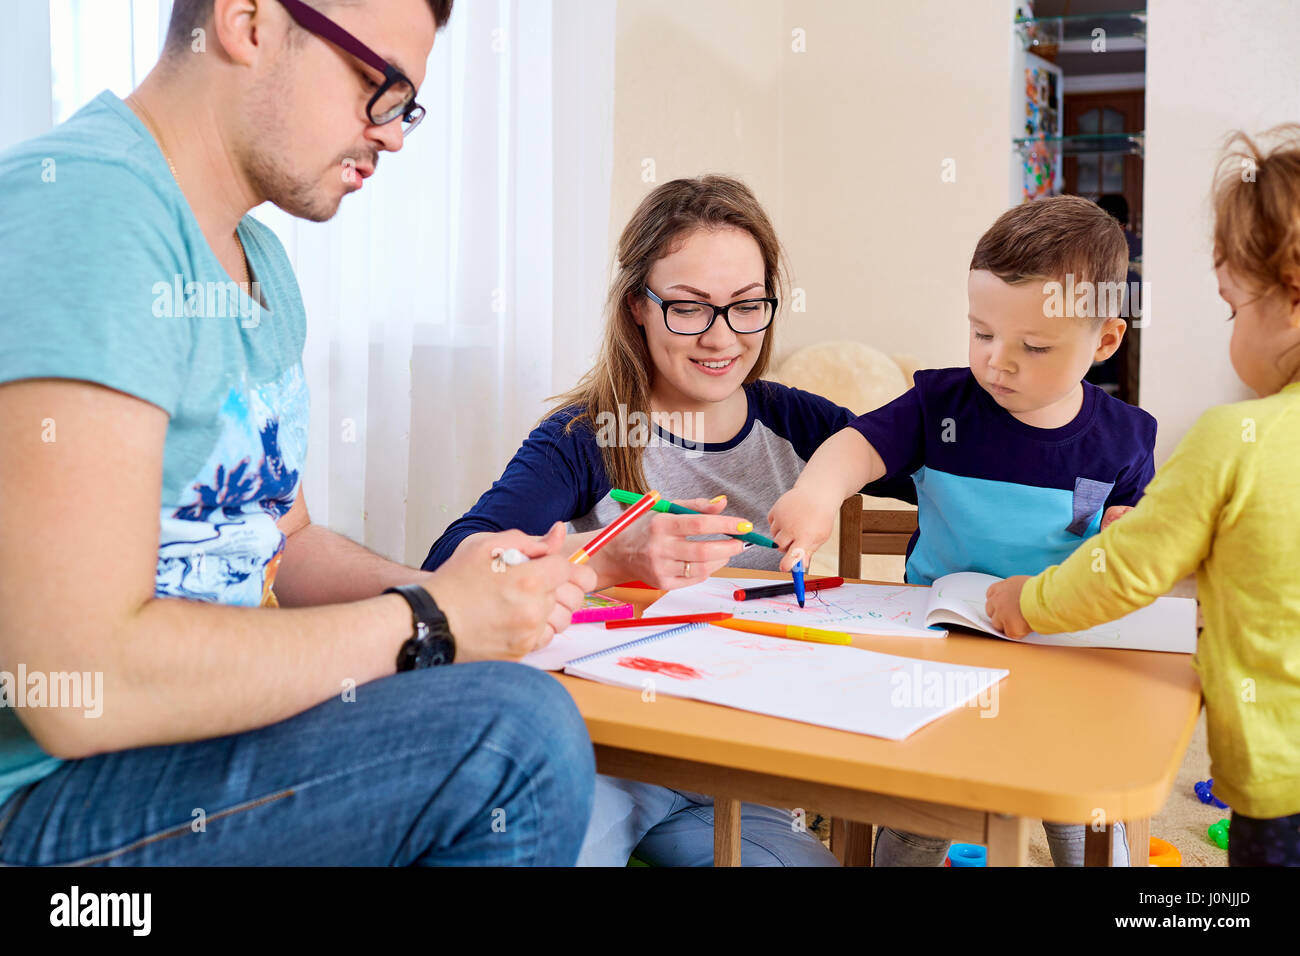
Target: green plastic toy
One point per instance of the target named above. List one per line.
(1218, 834)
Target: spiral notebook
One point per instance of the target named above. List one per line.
(830, 685)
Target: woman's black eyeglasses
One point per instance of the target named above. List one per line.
(690, 317)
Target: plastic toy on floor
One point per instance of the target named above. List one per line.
(1163, 853)
(1218, 834)
(1204, 792)
(966, 854)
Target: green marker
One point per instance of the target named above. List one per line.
(668, 507)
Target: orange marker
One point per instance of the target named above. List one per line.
(583, 555)
(787, 630)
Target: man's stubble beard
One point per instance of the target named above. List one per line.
(263, 159)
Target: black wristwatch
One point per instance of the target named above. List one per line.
(432, 644)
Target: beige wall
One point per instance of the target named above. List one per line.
(844, 144)
(1211, 68)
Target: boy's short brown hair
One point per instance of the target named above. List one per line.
(1257, 209)
(1047, 239)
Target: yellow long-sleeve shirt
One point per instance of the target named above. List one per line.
(1225, 505)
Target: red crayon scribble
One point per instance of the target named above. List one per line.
(667, 668)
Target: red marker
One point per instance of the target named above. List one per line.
(775, 590)
(670, 619)
(583, 554)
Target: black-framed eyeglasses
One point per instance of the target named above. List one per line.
(691, 317)
(396, 94)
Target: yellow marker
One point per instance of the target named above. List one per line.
(787, 630)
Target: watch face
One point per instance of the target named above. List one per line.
(432, 650)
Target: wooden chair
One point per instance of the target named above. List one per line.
(865, 531)
(868, 531)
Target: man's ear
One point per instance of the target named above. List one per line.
(1112, 334)
(243, 27)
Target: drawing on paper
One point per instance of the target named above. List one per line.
(667, 668)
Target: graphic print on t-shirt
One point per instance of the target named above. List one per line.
(222, 544)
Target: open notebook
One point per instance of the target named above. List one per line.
(1169, 624)
(846, 688)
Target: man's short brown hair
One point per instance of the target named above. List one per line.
(190, 14)
(1047, 239)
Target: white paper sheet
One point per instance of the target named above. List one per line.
(830, 685)
(853, 608)
(582, 639)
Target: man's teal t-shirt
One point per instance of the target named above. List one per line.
(109, 279)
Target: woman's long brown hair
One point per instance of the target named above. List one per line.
(622, 372)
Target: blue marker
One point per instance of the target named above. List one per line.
(797, 571)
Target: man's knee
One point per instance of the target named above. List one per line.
(535, 706)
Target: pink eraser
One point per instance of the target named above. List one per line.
(597, 608)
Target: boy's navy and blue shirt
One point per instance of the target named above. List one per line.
(999, 496)
(559, 475)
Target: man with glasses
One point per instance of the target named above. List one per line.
(153, 422)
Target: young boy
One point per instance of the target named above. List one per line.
(1015, 460)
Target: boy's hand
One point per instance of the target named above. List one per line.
(1114, 512)
(1002, 605)
(800, 523)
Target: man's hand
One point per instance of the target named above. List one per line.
(496, 615)
(1002, 605)
(801, 521)
(1113, 513)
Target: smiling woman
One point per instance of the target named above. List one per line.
(691, 313)
(688, 337)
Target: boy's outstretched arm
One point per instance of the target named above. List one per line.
(802, 518)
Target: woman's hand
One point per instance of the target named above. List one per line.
(1002, 605)
(801, 522)
(657, 548)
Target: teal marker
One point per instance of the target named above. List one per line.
(668, 507)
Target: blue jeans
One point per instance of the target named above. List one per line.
(473, 764)
(675, 828)
(1064, 841)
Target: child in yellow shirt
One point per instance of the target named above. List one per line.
(1225, 505)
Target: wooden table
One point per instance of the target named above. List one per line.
(1079, 735)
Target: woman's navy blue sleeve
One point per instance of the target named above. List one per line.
(555, 476)
(809, 419)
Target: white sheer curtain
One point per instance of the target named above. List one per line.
(461, 286)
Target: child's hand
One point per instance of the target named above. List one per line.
(1114, 512)
(800, 523)
(1002, 605)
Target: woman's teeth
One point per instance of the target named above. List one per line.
(715, 365)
